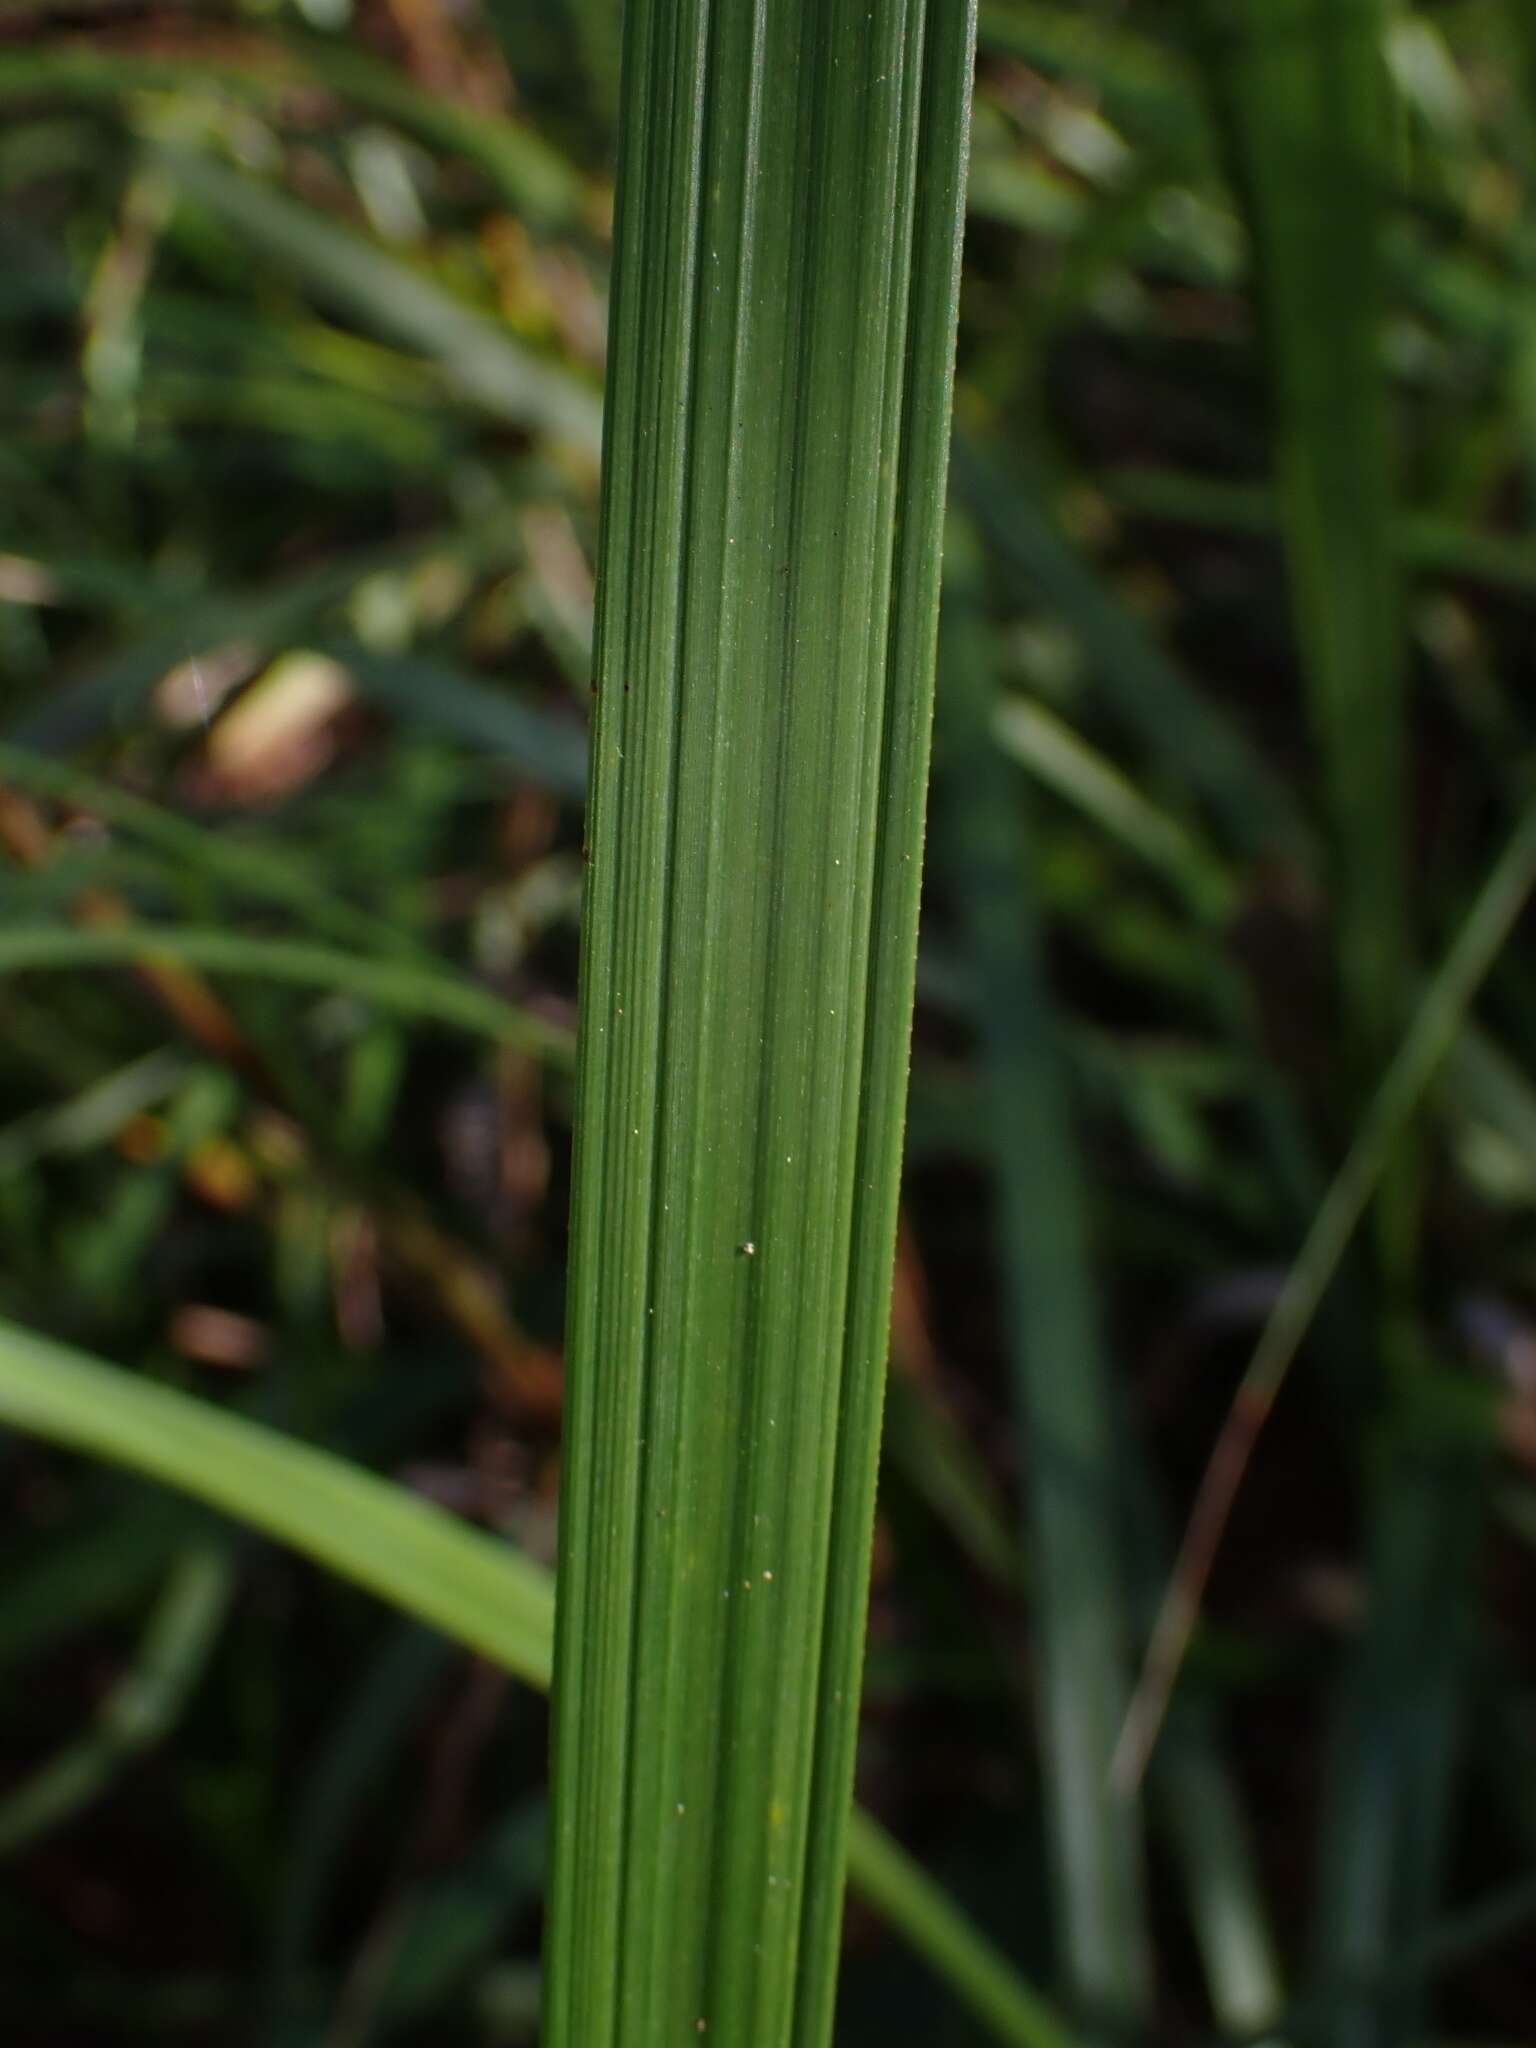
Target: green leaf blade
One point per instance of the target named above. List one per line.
(1306, 102)
(469, 1586)
(773, 389)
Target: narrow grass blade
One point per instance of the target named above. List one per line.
(786, 267)
(1197, 1805)
(1197, 1802)
(469, 1586)
(1307, 106)
(1304, 96)
(1056, 756)
(443, 1931)
(927, 1445)
(1437, 1021)
(405, 985)
(411, 1554)
(109, 1565)
(1193, 740)
(93, 1116)
(140, 1709)
(1063, 1403)
(897, 1887)
(496, 722)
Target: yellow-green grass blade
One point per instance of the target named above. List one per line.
(788, 220)
(468, 1585)
(402, 1548)
(1081, 1622)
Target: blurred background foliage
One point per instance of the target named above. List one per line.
(303, 309)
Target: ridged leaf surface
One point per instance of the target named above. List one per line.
(786, 265)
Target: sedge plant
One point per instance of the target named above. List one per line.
(786, 270)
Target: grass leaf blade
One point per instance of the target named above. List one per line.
(469, 1586)
(775, 400)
